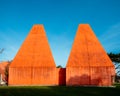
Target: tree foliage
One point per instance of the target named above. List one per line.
(59, 66)
(114, 57)
(1, 50)
(116, 60)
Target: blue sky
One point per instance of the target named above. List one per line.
(60, 19)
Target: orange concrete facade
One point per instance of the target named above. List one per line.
(88, 63)
(34, 63)
(61, 76)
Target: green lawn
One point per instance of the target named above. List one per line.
(59, 91)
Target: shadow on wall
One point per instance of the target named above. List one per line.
(85, 80)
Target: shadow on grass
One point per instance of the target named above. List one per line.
(58, 91)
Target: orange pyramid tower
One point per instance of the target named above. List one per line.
(34, 63)
(88, 63)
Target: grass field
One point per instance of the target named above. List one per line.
(59, 91)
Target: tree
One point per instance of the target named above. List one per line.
(114, 57)
(1, 50)
(116, 60)
(59, 66)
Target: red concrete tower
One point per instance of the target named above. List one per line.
(88, 63)
(34, 63)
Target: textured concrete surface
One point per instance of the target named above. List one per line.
(88, 63)
(34, 63)
(61, 76)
